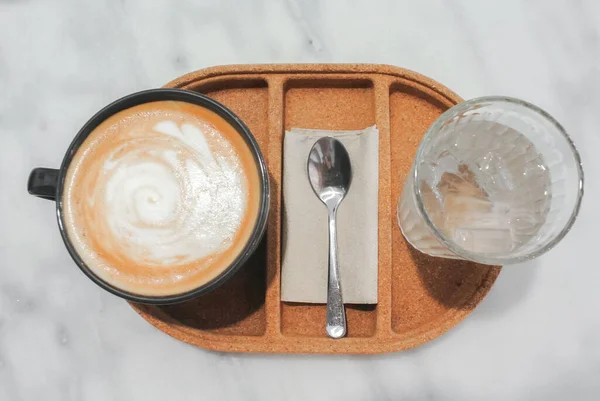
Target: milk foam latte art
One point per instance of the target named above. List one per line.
(161, 198)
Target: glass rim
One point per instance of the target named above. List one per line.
(451, 245)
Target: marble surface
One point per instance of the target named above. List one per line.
(535, 337)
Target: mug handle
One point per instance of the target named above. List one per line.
(43, 183)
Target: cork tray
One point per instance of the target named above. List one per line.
(420, 297)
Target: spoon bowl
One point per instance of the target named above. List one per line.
(329, 169)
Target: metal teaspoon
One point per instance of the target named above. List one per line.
(330, 174)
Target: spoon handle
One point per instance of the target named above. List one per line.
(336, 315)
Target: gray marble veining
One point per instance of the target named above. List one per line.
(535, 337)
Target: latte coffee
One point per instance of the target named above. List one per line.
(161, 198)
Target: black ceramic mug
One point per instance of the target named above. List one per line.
(48, 184)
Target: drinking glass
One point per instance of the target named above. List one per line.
(495, 180)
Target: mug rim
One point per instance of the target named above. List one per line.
(168, 94)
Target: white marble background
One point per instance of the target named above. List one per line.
(535, 337)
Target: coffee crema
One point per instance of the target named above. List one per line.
(161, 198)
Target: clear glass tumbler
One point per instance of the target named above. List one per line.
(495, 180)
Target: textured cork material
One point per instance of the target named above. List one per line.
(420, 297)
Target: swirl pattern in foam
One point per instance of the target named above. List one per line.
(160, 198)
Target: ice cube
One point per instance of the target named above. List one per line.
(484, 240)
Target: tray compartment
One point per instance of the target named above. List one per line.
(424, 289)
(342, 103)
